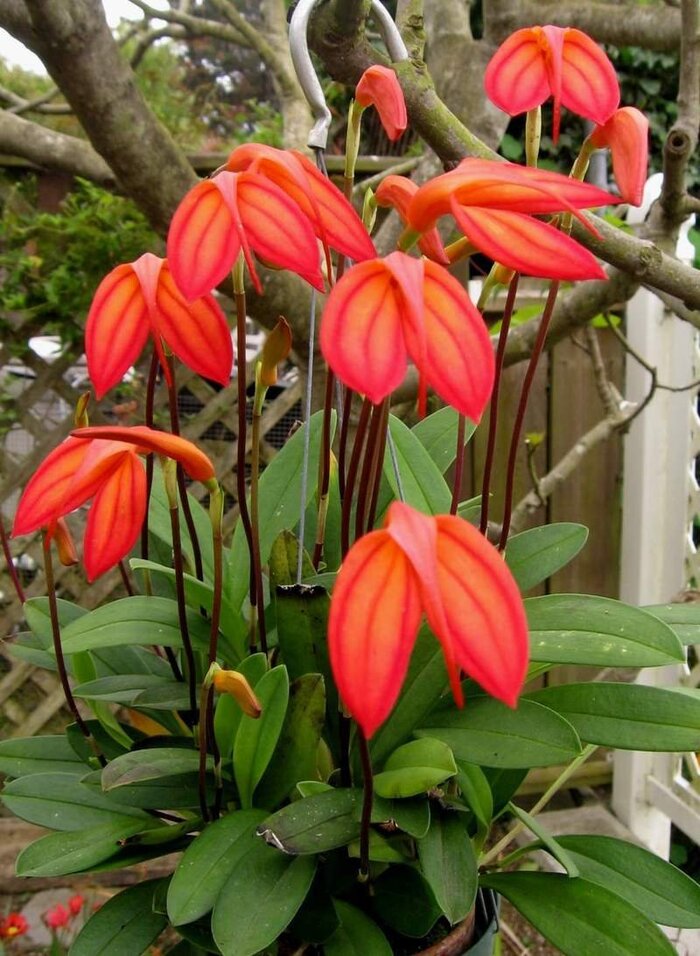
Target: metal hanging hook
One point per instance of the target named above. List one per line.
(299, 48)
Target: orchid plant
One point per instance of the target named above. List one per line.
(325, 716)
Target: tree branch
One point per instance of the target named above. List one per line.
(623, 25)
(195, 26)
(41, 104)
(51, 150)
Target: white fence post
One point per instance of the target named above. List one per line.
(656, 528)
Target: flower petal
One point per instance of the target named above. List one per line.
(196, 331)
(526, 244)
(117, 328)
(192, 459)
(516, 78)
(115, 517)
(398, 191)
(485, 616)
(379, 87)
(374, 617)
(203, 242)
(626, 133)
(589, 83)
(459, 363)
(362, 335)
(277, 229)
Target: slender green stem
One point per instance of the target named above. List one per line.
(58, 650)
(368, 795)
(11, 569)
(459, 465)
(205, 696)
(522, 407)
(494, 852)
(324, 468)
(171, 489)
(493, 407)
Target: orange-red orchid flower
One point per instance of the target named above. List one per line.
(384, 310)
(102, 464)
(139, 298)
(626, 134)
(443, 568)
(538, 62)
(398, 191)
(494, 204)
(236, 212)
(332, 217)
(379, 87)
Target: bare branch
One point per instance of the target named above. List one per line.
(624, 25)
(51, 150)
(149, 37)
(41, 104)
(195, 26)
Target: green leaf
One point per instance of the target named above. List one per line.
(578, 917)
(119, 689)
(357, 934)
(414, 768)
(403, 900)
(208, 862)
(302, 626)
(153, 763)
(683, 619)
(256, 739)
(412, 816)
(548, 841)
(126, 923)
(438, 434)
(476, 791)
(659, 890)
(535, 555)
(260, 899)
(583, 629)
(295, 754)
(133, 620)
(38, 617)
(627, 716)
(315, 824)
(425, 683)
(490, 734)
(159, 525)
(59, 801)
(280, 502)
(77, 850)
(20, 756)
(448, 863)
(170, 695)
(424, 488)
(284, 558)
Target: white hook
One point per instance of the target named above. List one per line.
(298, 27)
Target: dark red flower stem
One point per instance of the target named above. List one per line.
(181, 485)
(375, 443)
(324, 468)
(58, 651)
(150, 402)
(125, 579)
(343, 441)
(493, 407)
(522, 407)
(352, 476)
(11, 569)
(376, 478)
(459, 465)
(368, 796)
(182, 610)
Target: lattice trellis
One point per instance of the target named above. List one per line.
(40, 396)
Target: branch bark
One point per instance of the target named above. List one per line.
(49, 149)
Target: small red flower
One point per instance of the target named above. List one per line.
(140, 298)
(626, 135)
(332, 217)
(75, 904)
(443, 568)
(494, 204)
(538, 62)
(57, 917)
(236, 212)
(380, 88)
(14, 924)
(102, 464)
(398, 191)
(384, 310)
